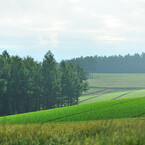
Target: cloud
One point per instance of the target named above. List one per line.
(110, 38)
(74, 1)
(61, 24)
(52, 40)
(112, 22)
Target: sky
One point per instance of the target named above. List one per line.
(72, 28)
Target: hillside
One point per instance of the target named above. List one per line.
(121, 108)
(104, 87)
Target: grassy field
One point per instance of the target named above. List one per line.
(135, 93)
(120, 93)
(110, 132)
(117, 80)
(120, 108)
(95, 94)
(122, 86)
(112, 112)
(91, 91)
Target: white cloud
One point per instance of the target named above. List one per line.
(111, 22)
(74, 1)
(79, 9)
(52, 39)
(110, 38)
(62, 24)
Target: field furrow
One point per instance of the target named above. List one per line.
(121, 96)
(83, 99)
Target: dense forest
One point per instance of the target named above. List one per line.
(27, 85)
(112, 64)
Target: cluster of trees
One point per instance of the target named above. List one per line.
(27, 85)
(112, 64)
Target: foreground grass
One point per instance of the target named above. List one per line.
(121, 108)
(110, 132)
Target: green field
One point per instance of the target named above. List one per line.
(120, 108)
(92, 91)
(135, 93)
(112, 111)
(106, 96)
(110, 132)
(95, 94)
(117, 81)
(121, 86)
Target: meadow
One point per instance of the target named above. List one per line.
(133, 81)
(103, 87)
(111, 112)
(109, 94)
(114, 109)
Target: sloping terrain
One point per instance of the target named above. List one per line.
(122, 86)
(108, 94)
(120, 108)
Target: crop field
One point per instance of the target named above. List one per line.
(112, 111)
(112, 132)
(95, 94)
(135, 93)
(103, 87)
(93, 91)
(120, 108)
(136, 81)
(113, 94)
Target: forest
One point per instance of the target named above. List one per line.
(27, 85)
(112, 64)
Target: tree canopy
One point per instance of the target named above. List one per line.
(112, 64)
(27, 85)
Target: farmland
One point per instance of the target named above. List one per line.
(93, 123)
(103, 87)
(106, 113)
(113, 94)
(120, 108)
(135, 81)
(113, 101)
(112, 132)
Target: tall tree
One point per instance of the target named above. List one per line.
(51, 80)
(73, 83)
(26, 85)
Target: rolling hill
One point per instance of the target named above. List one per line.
(120, 108)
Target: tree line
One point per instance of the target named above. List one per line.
(27, 85)
(112, 64)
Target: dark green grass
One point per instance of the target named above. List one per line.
(122, 108)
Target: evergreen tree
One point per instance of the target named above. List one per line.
(51, 81)
(26, 85)
(73, 83)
